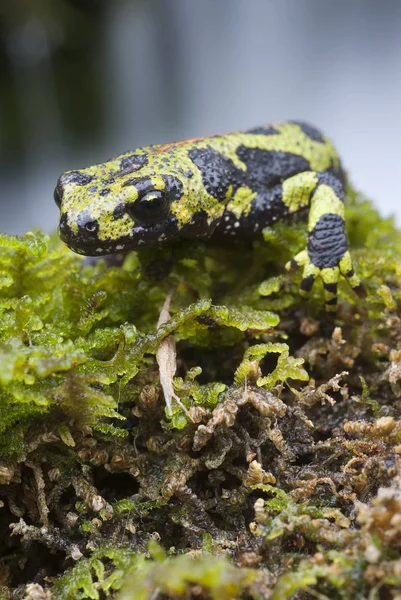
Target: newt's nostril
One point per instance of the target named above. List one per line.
(91, 226)
(87, 226)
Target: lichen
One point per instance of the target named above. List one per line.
(276, 475)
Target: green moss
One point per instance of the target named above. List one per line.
(277, 473)
(103, 572)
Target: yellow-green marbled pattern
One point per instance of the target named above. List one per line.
(226, 186)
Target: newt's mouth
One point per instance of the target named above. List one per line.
(86, 240)
(75, 241)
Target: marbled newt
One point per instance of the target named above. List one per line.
(223, 186)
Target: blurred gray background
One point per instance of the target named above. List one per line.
(83, 80)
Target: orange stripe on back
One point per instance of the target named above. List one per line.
(172, 144)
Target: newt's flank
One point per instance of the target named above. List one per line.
(223, 186)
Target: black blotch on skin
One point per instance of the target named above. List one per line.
(268, 130)
(312, 133)
(174, 188)
(142, 184)
(307, 283)
(217, 171)
(133, 162)
(270, 167)
(92, 188)
(77, 177)
(330, 287)
(327, 242)
(109, 180)
(198, 227)
(332, 181)
(118, 212)
(266, 208)
(104, 192)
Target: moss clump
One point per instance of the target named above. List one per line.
(278, 473)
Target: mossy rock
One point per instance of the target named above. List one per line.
(276, 475)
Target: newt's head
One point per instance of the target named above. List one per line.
(121, 204)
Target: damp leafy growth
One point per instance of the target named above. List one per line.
(278, 473)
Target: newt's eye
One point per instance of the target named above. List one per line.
(58, 195)
(150, 209)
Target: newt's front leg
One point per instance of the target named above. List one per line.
(327, 254)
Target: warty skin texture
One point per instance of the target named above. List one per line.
(224, 186)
